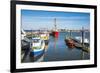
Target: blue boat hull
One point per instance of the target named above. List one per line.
(37, 53)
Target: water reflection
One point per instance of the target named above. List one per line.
(82, 55)
(55, 42)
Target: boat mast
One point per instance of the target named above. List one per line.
(55, 26)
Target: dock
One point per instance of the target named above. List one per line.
(84, 48)
(80, 43)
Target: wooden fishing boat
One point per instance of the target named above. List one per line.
(38, 46)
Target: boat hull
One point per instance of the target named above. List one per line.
(37, 53)
(55, 34)
(70, 43)
(37, 48)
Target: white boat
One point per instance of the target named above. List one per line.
(38, 46)
(23, 34)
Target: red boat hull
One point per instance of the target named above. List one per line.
(55, 34)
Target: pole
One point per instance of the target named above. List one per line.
(82, 42)
(82, 36)
(70, 33)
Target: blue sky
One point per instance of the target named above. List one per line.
(35, 19)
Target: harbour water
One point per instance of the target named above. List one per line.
(57, 50)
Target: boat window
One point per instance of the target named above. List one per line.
(36, 40)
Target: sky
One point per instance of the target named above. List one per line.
(38, 19)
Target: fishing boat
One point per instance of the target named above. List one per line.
(38, 46)
(45, 36)
(55, 32)
(70, 43)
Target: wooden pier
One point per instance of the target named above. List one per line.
(78, 44)
(84, 48)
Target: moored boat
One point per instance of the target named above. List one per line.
(55, 32)
(45, 36)
(38, 46)
(70, 43)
